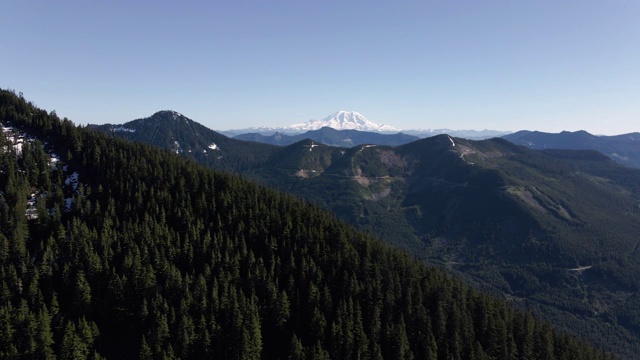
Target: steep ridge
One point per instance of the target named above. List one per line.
(159, 257)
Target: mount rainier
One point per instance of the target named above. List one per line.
(342, 120)
(351, 120)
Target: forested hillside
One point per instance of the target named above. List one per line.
(555, 230)
(171, 130)
(120, 250)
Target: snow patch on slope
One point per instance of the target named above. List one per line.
(14, 139)
(53, 161)
(311, 146)
(73, 180)
(124, 129)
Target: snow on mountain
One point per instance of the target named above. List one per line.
(176, 115)
(351, 120)
(342, 120)
(14, 140)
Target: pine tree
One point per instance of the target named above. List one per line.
(72, 346)
(145, 352)
(44, 336)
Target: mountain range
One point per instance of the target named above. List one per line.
(115, 249)
(332, 137)
(624, 149)
(203, 143)
(352, 121)
(553, 230)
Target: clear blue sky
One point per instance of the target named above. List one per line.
(503, 65)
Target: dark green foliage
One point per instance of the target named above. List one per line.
(175, 132)
(508, 219)
(160, 258)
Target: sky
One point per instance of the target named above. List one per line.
(501, 65)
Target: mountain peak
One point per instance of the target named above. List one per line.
(168, 114)
(344, 113)
(343, 120)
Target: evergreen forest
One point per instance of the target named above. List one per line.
(553, 231)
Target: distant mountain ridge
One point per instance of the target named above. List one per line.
(465, 134)
(351, 120)
(623, 149)
(332, 137)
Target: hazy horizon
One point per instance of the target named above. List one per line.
(503, 65)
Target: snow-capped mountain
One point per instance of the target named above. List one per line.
(351, 120)
(342, 120)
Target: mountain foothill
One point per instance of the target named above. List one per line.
(116, 242)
